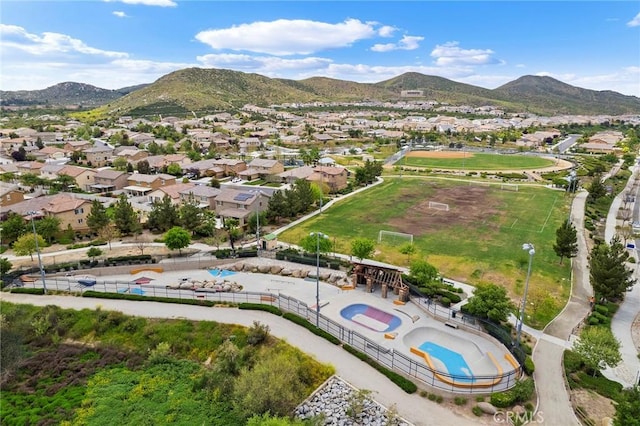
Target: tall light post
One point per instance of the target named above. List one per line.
(318, 235)
(529, 247)
(35, 237)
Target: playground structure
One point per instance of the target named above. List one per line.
(373, 274)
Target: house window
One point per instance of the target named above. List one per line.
(79, 211)
(80, 220)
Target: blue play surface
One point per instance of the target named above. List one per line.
(390, 320)
(137, 291)
(453, 361)
(221, 273)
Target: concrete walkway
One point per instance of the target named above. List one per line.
(627, 372)
(553, 398)
(414, 408)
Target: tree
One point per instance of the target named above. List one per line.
(63, 182)
(409, 249)
(598, 348)
(5, 266)
(255, 219)
(490, 301)
(174, 169)
(190, 215)
(143, 167)
(125, 217)
(596, 189)
(163, 215)
(278, 207)
(566, 241)
(97, 217)
(26, 245)
(234, 232)
(628, 408)
(108, 233)
(13, 227)
(120, 163)
(423, 272)
(608, 272)
(310, 244)
(48, 227)
(177, 238)
(94, 252)
(362, 247)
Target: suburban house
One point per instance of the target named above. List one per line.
(172, 191)
(10, 194)
(131, 154)
(261, 168)
(204, 195)
(98, 156)
(240, 204)
(296, 173)
(84, 177)
(51, 171)
(142, 184)
(333, 177)
(32, 167)
(70, 210)
(108, 180)
(51, 153)
(157, 162)
(77, 145)
(230, 166)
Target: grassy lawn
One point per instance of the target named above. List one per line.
(478, 240)
(478, 161)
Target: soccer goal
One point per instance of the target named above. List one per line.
(438, 206)
(394, 238)
(509, 187)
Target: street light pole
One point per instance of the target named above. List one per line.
(35, 237)
(532, 251)
(318, 235)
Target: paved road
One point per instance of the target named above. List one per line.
(414, 408)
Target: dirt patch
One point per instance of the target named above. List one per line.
(468, 205)
(595, 406)
(439, 154)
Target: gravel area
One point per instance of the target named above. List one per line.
(635, 332)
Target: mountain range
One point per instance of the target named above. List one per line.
(205, 90)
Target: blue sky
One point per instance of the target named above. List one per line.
(117, 43)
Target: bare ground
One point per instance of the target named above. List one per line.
(596, 407)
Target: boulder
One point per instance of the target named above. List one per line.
(295, 273)
(275, 269)
(286, 272)
(487, 407)
(264, 269)
(304, 273)
(238, 266)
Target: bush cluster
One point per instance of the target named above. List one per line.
(139, 297)
(405, 384)
(521, 392)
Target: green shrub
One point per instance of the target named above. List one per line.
(523, 390)
(139, 297)
(424, 393)
(529, 406)
(405, 384)
(439, 399)
(458, 400)
(503, 399)
(529, 366)
(477, 411)
(446, 302)
(432, 396)
(593, 320)
(25, 290)
(260, 307)
(601, 309)
(479, 398)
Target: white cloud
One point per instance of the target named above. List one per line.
(120, 14)
(635, 22)
(288, 37)
(160, 3)
(626, 80)
(266, 65)
(16, 39)
(406, 43)
(386, 31)
(450, 54)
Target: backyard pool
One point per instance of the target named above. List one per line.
(371, 318)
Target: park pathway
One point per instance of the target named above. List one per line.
(554, 403)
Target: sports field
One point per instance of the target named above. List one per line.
(478, 239)
(457, 160)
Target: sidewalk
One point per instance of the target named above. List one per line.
(627, 372)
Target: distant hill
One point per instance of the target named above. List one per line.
(64, 94)
(198, 89)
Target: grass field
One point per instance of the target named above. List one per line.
(478, 240)
(478, 161)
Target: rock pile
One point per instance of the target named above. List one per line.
(337, 403)
(335, 278)
(208, 285)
